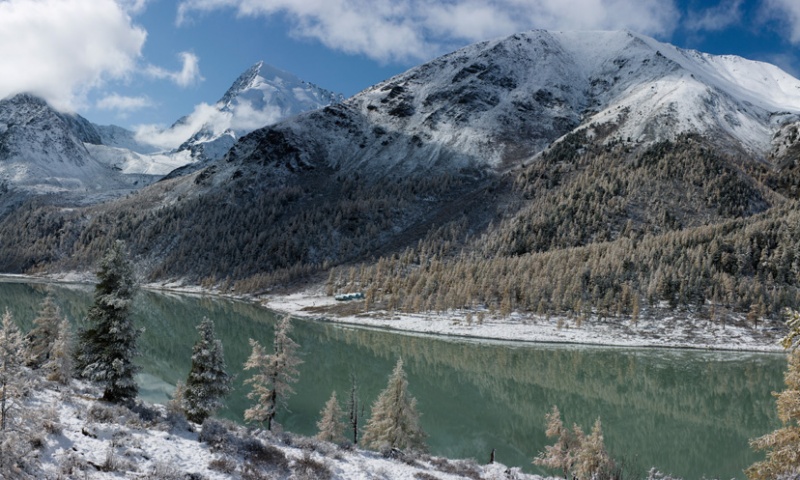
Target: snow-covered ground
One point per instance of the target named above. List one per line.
(80, 437)
(658, 329)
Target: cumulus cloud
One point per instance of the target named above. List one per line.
(123, 103)
(188, 75)
(61, 49)
(388, 30)
(786, 12)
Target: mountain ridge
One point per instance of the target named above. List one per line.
(507, 153)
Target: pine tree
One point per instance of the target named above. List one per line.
(59, 365)
(783, 445)
(330, 424)
(44, 333)
(394, 422)
(12, 381)
(273, 375)
(208, 382)
(108, 346)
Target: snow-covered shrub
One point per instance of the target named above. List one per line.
(263, 455)
(51, 423)
(217, 434)
(463, 468)
(71, 463)
(165, 471)
(103, 413)
(223, 464)
(308, 468)
(425, 476)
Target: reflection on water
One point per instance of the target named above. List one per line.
(689, 413)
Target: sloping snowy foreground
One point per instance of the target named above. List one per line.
(77, 436)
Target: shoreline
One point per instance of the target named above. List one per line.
(669, 329)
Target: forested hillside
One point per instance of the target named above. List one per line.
(441, 188)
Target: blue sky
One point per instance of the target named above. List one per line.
(149, 62)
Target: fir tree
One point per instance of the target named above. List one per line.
(592, 460)
(44, 333)
(208, 382)
(107, 346)
(273, 375)
(330, 425)
(59, 365)
(394, 422)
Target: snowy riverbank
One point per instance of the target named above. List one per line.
(662, 328)
(658, 328)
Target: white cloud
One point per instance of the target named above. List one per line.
(134, 7)
(188, 75)
(786, 12)
(123, 103)
(212, 120)
(717, 18)
(419, 29)
(61, 49)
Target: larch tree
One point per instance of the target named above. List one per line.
(330, 426)
(561, 455)
(577, 455)
(107, 347)
(44, 333)
(274, 374)
(783, 445)
(394, 422)
(13, 381)
(208, 381)
(59, 365)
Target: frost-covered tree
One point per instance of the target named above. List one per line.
(44, 333)
(273, 375)
(12, 377)
(577, 455)
(59, 365)
(330, 425)
(394, 422)
(107, 347)
(561, 455)
(208, 382)
(783, 445)
(593, 461)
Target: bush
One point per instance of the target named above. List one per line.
(307, 468)
(260, 454)
(216, 434)
(223, 464)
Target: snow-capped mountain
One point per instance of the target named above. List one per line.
(503, 101)
(44, 150)
(261, 96)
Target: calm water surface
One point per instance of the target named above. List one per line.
(688, 413)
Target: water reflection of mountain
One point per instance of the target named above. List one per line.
(686, 412)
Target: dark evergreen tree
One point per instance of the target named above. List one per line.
(107, 347)
(208, 382)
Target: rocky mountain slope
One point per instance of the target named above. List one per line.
(504, 155)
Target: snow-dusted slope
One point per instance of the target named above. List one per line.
(500, 102)
(263, 95)
(42, 150)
